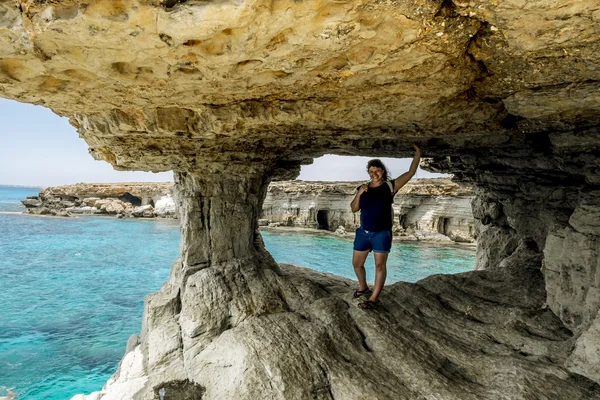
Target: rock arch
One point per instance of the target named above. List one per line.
(502, 96)
(129, 198)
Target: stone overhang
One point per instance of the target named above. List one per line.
(233, 94)
(154, 85)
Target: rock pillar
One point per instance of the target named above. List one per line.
(219, 215)
(223, 274)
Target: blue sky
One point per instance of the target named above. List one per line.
(39, 148)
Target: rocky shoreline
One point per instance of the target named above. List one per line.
(122, 200)
(436, 210)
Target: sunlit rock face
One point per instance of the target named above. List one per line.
(156, 85)
(233, 94)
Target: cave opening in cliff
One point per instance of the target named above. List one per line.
(129, 198)
(323, 219)
(502, 96)
(442, 225)
(403, 221)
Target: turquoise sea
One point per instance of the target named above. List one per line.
(72, 289)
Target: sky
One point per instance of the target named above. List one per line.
(39, 148)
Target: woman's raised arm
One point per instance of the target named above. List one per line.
(405, 177)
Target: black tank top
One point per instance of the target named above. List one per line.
(376, 208)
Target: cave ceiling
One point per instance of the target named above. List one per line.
(178, 85)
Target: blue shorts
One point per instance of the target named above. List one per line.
(379, 242)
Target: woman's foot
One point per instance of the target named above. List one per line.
(368, 304)
(362, 293)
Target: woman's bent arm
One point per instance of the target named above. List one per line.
(355, 204)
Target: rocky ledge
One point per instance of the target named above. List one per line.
(283, 332)
(144, 200)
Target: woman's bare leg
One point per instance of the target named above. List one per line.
(358, 262)
(380, 274)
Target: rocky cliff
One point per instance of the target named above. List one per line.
(233, 94)
(431, 209)
(120, 199)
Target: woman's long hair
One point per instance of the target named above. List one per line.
(376, 162)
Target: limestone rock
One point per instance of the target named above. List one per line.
(90, 201)
(497, 244)
(585, 359)
(125, 384)
(573, 289)
(285, 80)
(143, 191)
(120, 199)
(83, 210)
(31, 202)
(532, 201)
(486, 210)
(586, 219)
(503, 95)
(43, 211)
(110, 206)
(165, 206)
(143, 211)
(436, 237)
(316, 343)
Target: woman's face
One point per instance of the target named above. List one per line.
(375, 173)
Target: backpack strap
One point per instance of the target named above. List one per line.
(391, 186)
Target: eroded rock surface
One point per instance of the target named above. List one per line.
(121, 199)
(230, 95)
(168, 85)
(244, 331)
(545, 202)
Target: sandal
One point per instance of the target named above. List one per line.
(368, 305)
(360, 293)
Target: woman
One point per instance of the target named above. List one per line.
(374, 200)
